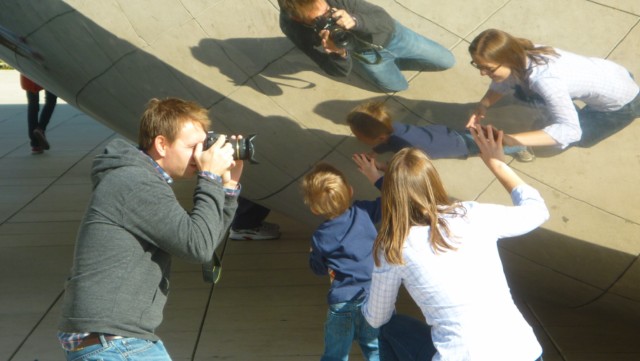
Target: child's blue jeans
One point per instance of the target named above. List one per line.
(345, 324)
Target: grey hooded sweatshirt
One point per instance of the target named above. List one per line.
(133, 225)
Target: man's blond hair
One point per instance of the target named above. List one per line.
(165, 117)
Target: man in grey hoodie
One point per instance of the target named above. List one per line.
(133, 225)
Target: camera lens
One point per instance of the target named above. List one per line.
(340, 37)
(243, 149)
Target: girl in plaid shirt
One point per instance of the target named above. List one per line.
(445, 254)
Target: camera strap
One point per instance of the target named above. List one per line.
(368, 46)
(365, 60)
(212, 270)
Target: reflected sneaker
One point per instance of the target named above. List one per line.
(41, 138)
(36, 150)
(525, 155)
(265, 231)
(270, 226)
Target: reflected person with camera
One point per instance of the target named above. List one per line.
(341, 34)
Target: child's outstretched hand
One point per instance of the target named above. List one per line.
(489, 141)
(381, 166)
(367, 166)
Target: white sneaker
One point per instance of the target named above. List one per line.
(525, 156)
(260, 233)
(270, 226)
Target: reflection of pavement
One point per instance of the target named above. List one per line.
(268, 306)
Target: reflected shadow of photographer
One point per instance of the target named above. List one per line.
(263, 60)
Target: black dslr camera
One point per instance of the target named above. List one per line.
(242, 148)
(341, 38)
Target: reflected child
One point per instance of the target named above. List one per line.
(372, 125)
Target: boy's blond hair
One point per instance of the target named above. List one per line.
(326, 191)
(370, 120)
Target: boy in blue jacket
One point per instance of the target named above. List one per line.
(342, 248)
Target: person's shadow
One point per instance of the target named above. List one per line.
(242, 59)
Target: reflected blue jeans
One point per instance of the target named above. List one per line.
(345, 323)
(597, 125)
(474, 150)
(125, 349)
(406, 50)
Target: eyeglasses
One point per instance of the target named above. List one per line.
(486, 69)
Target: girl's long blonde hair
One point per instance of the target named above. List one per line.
(412, 195)
(502, 48)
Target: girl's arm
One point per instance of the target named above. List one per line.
(530, 210)
(531, 138)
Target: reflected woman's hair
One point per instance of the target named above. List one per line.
(497, 46)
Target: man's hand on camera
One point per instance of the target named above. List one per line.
(329, 46)
(218, 159)
(231, 177)
(343, 19)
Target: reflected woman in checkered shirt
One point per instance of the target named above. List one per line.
(551, 79)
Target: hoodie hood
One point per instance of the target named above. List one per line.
(118, 153)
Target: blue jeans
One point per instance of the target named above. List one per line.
(406, 50)
(345, 323)
(404, 338)
(33, 109)
(249, 215)
(125, 349)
